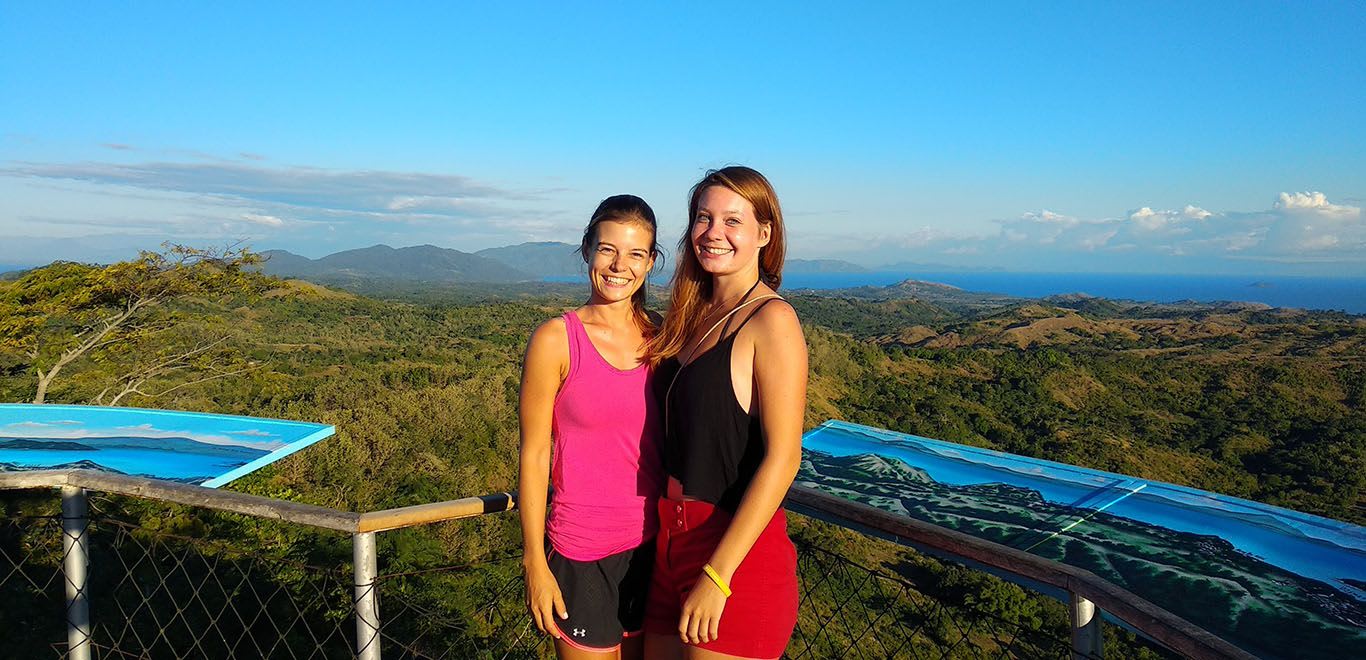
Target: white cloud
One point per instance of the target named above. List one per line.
(1302, 227)
(262, 219)
(429, 203)
(1147, 219)
(1296, 225)
(1096, 240)
(1055, 230)
(253, 433)
(1316, 202)
(1048, 217)
(1324, 242)
(1195, 212)
(28, 425)
(1307, 224)
(253, 200)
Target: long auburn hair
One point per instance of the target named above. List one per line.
(692, 286)
(627, 209)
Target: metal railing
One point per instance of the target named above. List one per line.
(177, 593)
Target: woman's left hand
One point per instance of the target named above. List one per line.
(702, 612)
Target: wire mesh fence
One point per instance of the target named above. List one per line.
(848, 610)
(195, 593)
(456, 612)
(173, 582)
(32, 591)
(177, 596)
(852, 611)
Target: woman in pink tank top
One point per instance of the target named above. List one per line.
(590, 428)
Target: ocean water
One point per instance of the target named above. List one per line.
(160, 464)
(1346, 294)
(1315, 547)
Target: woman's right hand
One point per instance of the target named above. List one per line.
(543, 597)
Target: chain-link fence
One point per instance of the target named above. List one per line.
(32, 591)
(167, 581)
(458, 612)
(852, 611)
(197, 591)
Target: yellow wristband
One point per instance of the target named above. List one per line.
(716, 577)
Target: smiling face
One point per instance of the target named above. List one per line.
(620, 260)
(726, 236)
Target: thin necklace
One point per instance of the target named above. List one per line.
(738, 305)
(668, 393)
(717, 308)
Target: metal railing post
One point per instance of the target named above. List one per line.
(75, 562)
(1088, 640)
(367, 600)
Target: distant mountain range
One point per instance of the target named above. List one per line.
(426, 263)
(539, 260)
(512, 263)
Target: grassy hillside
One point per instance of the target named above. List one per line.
(1260, 404)
(1263, 405)
(422, 387)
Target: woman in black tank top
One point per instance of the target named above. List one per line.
(732, 381)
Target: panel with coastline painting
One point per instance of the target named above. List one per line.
(1276, 582)
(194, 448)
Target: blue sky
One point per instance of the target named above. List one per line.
(1133, 137)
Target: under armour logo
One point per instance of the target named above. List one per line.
(580, 632)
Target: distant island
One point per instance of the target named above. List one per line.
(91, 465)
(48, 445)
(74, 465)
(179, 445)
(822, 266)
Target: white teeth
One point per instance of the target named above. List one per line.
(615, 280)
(714, 250)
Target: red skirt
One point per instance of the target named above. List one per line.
(762, 611)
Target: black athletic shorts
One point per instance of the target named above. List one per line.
(605, 598)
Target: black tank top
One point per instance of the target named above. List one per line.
(711, 445)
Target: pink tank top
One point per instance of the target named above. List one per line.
(605, 462)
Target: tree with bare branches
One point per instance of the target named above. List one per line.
(124, 314)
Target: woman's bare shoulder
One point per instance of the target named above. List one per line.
(775, 329)
(550, 339)
(777, 315)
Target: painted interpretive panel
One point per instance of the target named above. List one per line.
(1276, 582)
(194, 448)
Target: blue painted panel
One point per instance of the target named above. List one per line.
(194, 448)
(1276, 582)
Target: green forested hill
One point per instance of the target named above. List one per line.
(1265, 405)
(421, 383)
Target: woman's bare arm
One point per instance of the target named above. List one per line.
(543, 370)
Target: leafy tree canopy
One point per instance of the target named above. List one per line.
(61, 315)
